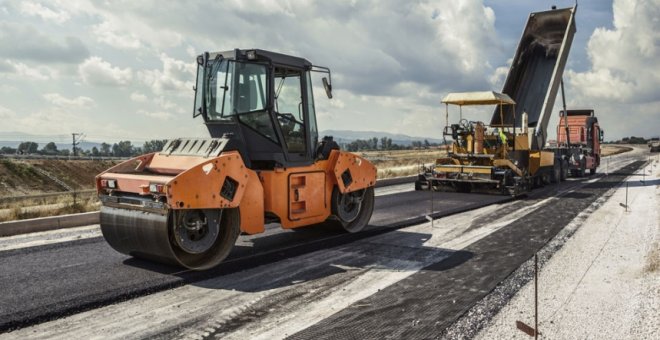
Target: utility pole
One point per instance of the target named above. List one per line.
(75, 141)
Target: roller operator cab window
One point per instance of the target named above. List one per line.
(289, 108)
(236, 89)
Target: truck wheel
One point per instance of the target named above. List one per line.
(353, 209)
(564, 170)
(583, 169)
(556, 172)
(592, 171)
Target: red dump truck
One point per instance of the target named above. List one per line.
(578, 142)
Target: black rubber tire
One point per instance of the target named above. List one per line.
(555, 177)
(363, 216)
(583, 169)
(537, 181)
(564, 170)
(592, 171)
(228, 233)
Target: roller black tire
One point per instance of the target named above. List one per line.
(228, 233)
(362, 216)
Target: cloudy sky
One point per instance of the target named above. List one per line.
(125, 69)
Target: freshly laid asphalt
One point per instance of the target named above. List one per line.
(422, 305)
(47, 282)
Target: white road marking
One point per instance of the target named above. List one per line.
(394, 189)
(49, 237)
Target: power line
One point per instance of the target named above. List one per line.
(75, 141)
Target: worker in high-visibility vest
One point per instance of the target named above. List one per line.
(501, 134)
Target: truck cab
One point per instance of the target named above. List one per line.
(578, 140)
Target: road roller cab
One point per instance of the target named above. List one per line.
(263, 163)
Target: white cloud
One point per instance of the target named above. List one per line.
(161, 115)
(22, 41)
(96, 71)
(625, 63)
(34, 72)
(176, 77)
(128, 29)
(498, 77)
(6, 66)
(109, 32)
(168, 104)
(392, 61)
(6, 114)
(138, 97)
(192, 53)
(63, 102)
(7, 89)
(36, 9)
(624, 77)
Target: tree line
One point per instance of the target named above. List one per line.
(120, 149)
(127, 149)
(384, 143)
(630, 140)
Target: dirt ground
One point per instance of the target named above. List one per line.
(399, 163)
(21, 177)
(609, 150)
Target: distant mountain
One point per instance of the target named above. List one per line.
(347, 136)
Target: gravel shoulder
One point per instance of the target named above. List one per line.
(604, 283)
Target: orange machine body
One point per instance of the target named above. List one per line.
(298, 196)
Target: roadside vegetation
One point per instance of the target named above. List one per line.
(385, 144)
(30, 177)
(120, 149)
(28, 188)
(62, 206)
(400, 163)
(609, 150)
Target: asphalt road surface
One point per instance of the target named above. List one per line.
(462, 262)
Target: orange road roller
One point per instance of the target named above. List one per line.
(264, 163)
